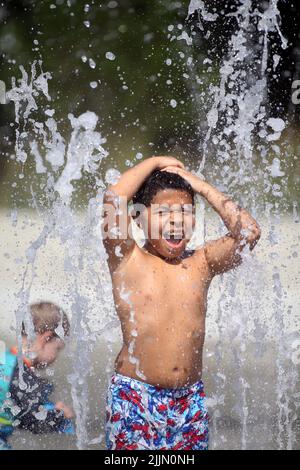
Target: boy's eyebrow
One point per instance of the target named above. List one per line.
(160, 206)
(184, 207)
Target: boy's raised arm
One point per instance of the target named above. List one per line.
(223, 254)
(116, 233)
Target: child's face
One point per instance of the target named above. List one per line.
(46, 348)
(171, 220)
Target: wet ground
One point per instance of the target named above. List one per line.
(245, 400)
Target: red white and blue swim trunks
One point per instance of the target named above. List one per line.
(140, 416)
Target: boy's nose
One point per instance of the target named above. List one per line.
(176, 219)
(176, 222)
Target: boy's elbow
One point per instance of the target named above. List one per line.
(256, 232)
(254, 236)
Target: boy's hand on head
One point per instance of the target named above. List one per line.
(194, 180)
(67, 410)
(163, 162)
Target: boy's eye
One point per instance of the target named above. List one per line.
(182, 210)
(162, 211)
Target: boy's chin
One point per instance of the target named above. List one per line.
(172, 251)
(164, 250)
(173, 255)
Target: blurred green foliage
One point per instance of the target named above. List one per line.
(131, 94)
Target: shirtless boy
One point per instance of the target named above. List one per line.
(156, 397)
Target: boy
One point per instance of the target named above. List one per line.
(156, 397)
(26, 405)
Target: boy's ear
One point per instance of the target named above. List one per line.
(137, 221)
(135, 215)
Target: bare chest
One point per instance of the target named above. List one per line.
(161, 286)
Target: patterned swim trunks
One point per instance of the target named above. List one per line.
(146, 417)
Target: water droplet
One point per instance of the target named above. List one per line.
(122, 28)
(112, 4)
(110, 56)
(112, 175)
(92, 63)
(49, 112)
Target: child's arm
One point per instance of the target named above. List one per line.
(116, 235)
(36, 413)
(223, 254)
(67, 410)
(45, 418)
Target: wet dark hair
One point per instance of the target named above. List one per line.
(157, 181)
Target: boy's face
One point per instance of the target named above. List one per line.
(46, 347)
(171, 220)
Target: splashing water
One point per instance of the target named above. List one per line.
(63, 164)
(253, 331)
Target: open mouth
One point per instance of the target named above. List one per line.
(174, 241)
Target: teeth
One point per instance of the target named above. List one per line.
(172, 235)
(173, 241)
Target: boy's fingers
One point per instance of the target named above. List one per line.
(169, 170)
(172, 169)
(171, 161)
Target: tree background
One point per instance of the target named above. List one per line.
(132, 94)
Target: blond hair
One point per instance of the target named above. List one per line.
(47, 316)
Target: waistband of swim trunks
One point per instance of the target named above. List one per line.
(139, 386)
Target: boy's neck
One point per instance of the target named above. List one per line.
(149, 248)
